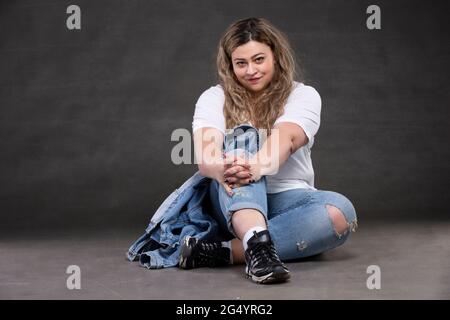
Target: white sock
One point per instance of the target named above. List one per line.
(249, 234)
(227, 244)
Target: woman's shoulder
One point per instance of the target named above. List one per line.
(213, 97)
(303, 94)
(304, 90)
(213, 92)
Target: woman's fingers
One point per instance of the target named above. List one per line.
(246, 181)
(235, 183)
(234, 165)
(238, 176)
(232, 171)
(231, 179)
(238, 171)
(244, 174)
(235, 160)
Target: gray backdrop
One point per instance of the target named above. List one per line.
(87, 115)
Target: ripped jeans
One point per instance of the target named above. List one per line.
(298, 219)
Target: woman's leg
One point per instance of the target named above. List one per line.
(237, 248)
(235, 214)
(245, 213)
(247, 207)
(307, 222)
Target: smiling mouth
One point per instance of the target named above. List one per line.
(254, 79)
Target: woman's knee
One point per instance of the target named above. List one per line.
(342, 213)
(242, 138)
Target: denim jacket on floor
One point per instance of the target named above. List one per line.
(183, 213)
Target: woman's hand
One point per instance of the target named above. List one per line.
(239, 172)
(221, 178)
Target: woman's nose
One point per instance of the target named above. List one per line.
(251, 69)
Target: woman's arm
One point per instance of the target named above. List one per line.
(285, 139)
(208, 152)
(208, 155)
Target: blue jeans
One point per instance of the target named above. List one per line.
(297, 219)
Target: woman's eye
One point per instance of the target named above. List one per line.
(259, 59)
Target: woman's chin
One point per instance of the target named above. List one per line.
(256, 89)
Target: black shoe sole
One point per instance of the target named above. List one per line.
(270, 278)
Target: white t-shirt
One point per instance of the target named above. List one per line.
(302, 107)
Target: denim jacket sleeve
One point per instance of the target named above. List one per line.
(181, 214)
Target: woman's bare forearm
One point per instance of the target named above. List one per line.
(273, 154)
(213, 169)
(285, 139)
(208, 152)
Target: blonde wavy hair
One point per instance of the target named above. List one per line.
(240, 102)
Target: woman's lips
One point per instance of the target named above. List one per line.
(254, 80)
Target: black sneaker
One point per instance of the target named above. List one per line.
(263, 263)
(200, 253)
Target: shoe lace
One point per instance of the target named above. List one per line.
(210, 253)
(265, 254)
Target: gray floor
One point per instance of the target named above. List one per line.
(414, 259)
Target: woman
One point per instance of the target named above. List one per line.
(262, 194)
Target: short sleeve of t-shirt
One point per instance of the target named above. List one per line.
(303, 108)
(209, 110)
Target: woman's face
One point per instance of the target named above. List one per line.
(253, 65)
